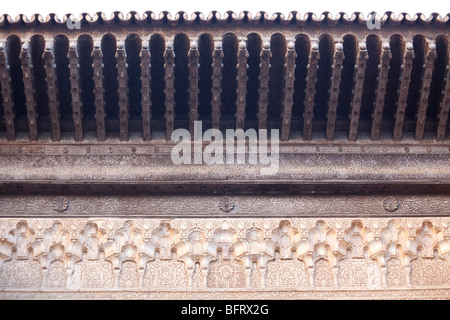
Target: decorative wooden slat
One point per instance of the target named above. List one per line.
(263, 91)
(241, 91)
(8, 103)
(29, 92)
(445, 106)
(52, 91)
(425, 91)
(334, 91)
(169, 91)
(405, 79)
(75, 91)
(193, 85)
(216, 88)
(99, 92)
(310, 91)
(358, 82)
(146, 92)
(288, 99)
(122, 81)
(377, 115)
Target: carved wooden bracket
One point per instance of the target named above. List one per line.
(263, 100)
(122, 80)
(99, 92)
(169, 91)
(445, 106)
(310, 91)
(425, 91)
(216, 89)
(403, 91)
(30, 103)
(52, 91)
(193, 85)
(377, 115)
(334, 91)
(241, 90)
(146, 92)
(288, 95)
(7, 94)
(75, 91)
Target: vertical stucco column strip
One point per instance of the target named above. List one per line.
(122, 81)
(169, 91)
(216, 88)
(50, 78)
(241, 91)
(334, 91)
(358, 82)
(75, 91)
(403, 91)
(425, 91)
(445, 105)
(288, 99)
(310, 91)
(98, 91)
(146, 92)
(377, 115)
(193, 85)
(29, 92)
(263, 91)
(8, 104)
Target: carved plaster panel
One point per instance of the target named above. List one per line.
(283, 257)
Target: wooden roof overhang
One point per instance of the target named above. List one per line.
(91, 110)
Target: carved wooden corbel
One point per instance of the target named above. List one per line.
(122, 81)
(75, 91)
(30, 103)
(216, 89)
(7, 94)
(377, 115)
(99, 91)
(403, 91)
(169, 91)
(241, 91)
(193, 85)
(146, 92)
(334, 90)
(288, 96)
(357, 91)
(263, 100)
(310, 91)
(425, 91)
(52, 91)
(445, 106)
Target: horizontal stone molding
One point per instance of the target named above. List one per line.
(294, 146)
(400, 294)
(170, 206)
(159, 167)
